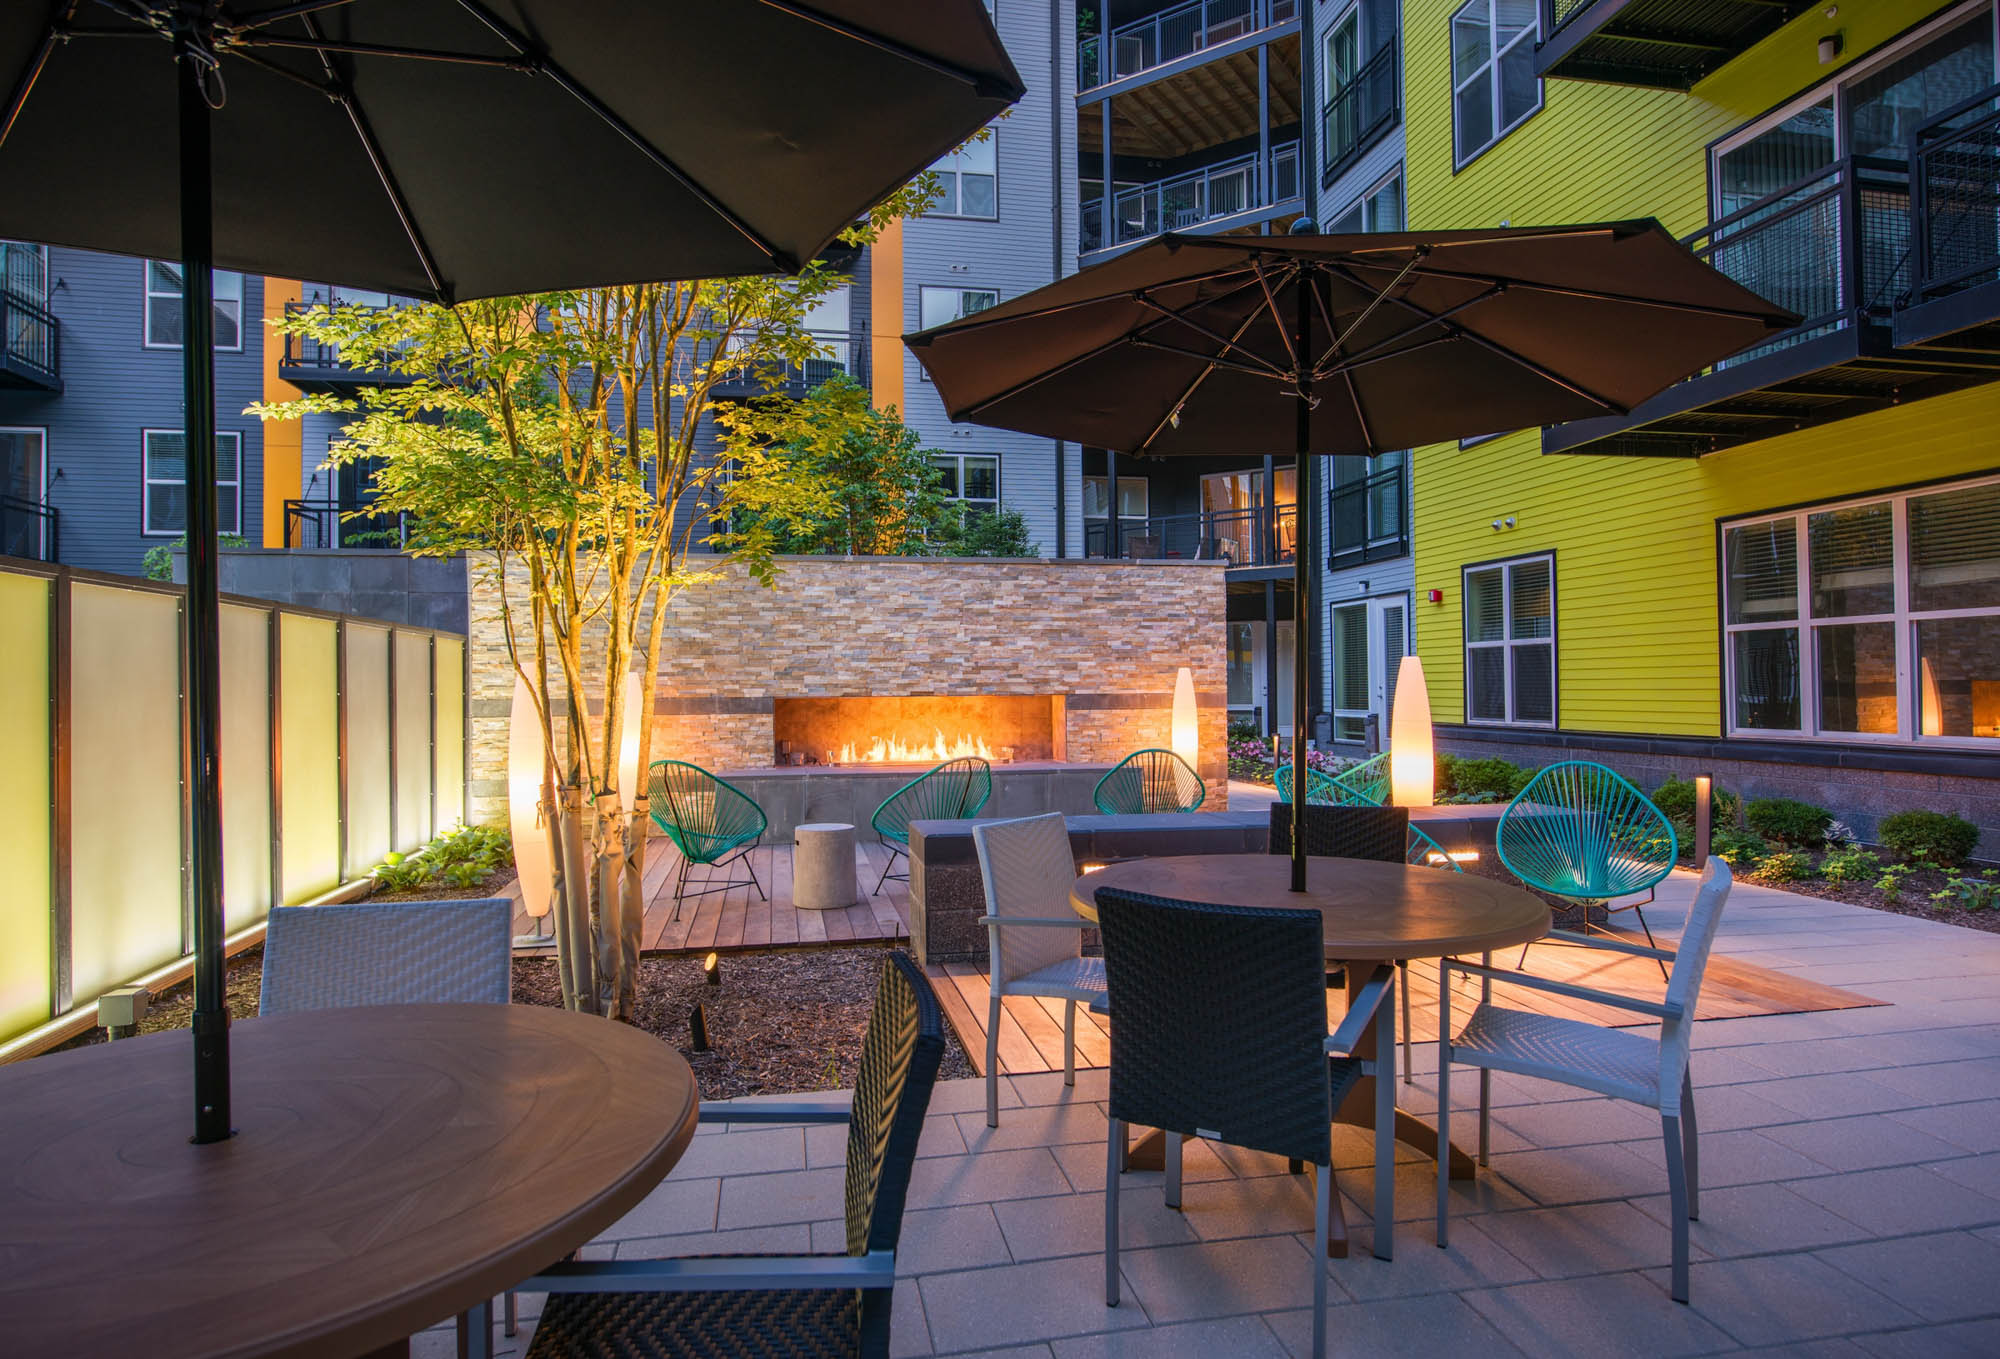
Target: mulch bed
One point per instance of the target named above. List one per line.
(495, 884)
(780, 1023)
(1914, 899)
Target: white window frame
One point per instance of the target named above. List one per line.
(1145, 486)
(1806, 625)
(960, 313)
(224, 279)
(996, 502)
(41, 496)
(1368, 195)
(953, 164)
(147, 481)
(1505, 566)
(1531, 34)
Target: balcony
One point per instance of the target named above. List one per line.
(30, 345)
(843, 353)
(1218, 197)
(1358, 117)
(1256, 536)
(323, 524)
(1173, 34)
(1954, 298)
(1657, 44)
(317, 366)
(29, 529)
(1835, 247)
(1370, 520)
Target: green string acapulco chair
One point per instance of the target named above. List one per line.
(1149, 781)
(1580, 832)
(1359, 785)
(711, 822)
(952, 791)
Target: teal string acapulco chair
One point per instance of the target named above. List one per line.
(1580, 832)
(1149, 781)
(1359, 785)
(712, 822)
(952, 791)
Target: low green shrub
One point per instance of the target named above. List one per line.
(1483, 780)
(1787, 865)
(1850, 865)
(468, 874)
(1935, 837)
(401, 873)
(1968, 893)
(1675, 797)
(1243, 729)
(1789, 820)
(1890, 884)
(1738, 849)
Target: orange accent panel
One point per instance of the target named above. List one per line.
(283, 439)
(885, 313)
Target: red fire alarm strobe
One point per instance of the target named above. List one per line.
(1434, 596)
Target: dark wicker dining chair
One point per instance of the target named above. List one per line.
(732, 1306)
(1197, 1052)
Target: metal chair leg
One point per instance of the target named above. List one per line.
(1677, 1191)
(750, 867)
(1114, 1159)
(1649, 940)
(1069, 1042)
(1485, 1110)
(1322, 1232)
(475, 1331)
(1691, 1146)
(511, 1311)
(993, 1061)
(1173, 1169)
(886, 869)
(1403, 984)
(680, 884)
(1385, 1132)
(1444, 1106)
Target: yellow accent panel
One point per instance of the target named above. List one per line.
(246, 764)
(309, 773)
(1635, 544)
(284, 441)
(26, 799)
(885, 315)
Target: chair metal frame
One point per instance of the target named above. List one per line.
(870, 1269)
(1671, 1088)
(1154, 767)
(895, 837)
(661, 793)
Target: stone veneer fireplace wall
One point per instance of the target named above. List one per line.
(1106, 637)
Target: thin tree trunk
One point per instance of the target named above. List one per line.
(559, 913)
(610, 847)
(632, 901)
(576, 894)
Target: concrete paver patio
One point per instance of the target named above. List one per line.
(1850, 1204)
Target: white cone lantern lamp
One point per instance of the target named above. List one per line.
(527, 775)
(628, 743)
(1412, 762)
(1186, 729)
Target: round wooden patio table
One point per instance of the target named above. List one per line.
(393, 1166)
(1373, 913)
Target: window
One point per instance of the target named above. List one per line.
(1368, 509)
(972, 479)
(163, 307)
(1510, 643)
(940, 306)
(1134, 498)
(1493, 84)
(165, 491)
(23, 527)
(970, 184)
(1380, 209)
(24, 271)
(1870, 619)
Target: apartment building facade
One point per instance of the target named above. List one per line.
(1784, 571)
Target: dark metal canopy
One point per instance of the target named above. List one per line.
(450, 149)
(1343, 344)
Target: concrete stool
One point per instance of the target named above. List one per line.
(823, 874)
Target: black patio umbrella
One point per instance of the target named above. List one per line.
(451, 149)
(1360, 344)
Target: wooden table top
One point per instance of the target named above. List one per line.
(1374, 912)
(393, 1165)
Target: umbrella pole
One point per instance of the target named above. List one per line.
(204, 610)
(1301, 578)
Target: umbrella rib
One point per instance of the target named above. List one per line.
(272, 16)
(369, 49)
(58, 16)
(1277, 322)
(543, 66)
(1382, 295)
(982, 85)
(1495, 347)
(1598, 295)
(1259, 369)
(980, 320)
(1327, 367)
(1262, 364)
(1360, 415)
(1189, 391)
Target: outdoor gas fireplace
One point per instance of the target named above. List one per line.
(918, 729)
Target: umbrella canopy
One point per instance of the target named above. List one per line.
(451, 149)
(1217, 345)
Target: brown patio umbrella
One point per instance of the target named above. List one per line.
(1359, 344)
(394, 144)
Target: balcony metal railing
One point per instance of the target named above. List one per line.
(304, 351)
(1365, 108)
(1187, 200)
(1955, 199)
(1370, 519)
(332, 524)
(1556, 13)
(30, 340)
(1833, 247)
(29, 529)
(1257, 536)
(842, 353)
(1172, 34)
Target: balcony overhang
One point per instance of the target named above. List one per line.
(1966, 323)
(1657, 44)
(1847, 372)
(1247, 220)
(17, 373)
(335, 379)
(1248, 42)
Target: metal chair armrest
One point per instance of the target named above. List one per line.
(762, 1111)
(1645, 1007)
(1361, 1012)
(876, 1269)
(1614, 945)
(1047, 922)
